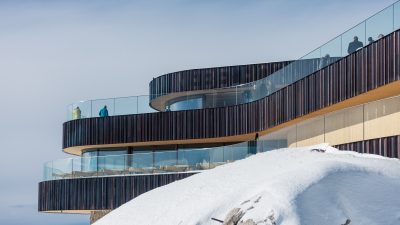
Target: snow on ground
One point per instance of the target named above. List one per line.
(285, 186)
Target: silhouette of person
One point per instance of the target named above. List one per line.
(324, 61)
(370, 40)
(354, 45)
(103, 112)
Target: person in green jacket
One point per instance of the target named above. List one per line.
(76, 113)
(103, 112)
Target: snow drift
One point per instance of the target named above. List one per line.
(285, 186)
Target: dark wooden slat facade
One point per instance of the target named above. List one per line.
(211, 78)
(386, 146)
(98, 193)
(371, 67)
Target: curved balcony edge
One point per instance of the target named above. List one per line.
(212, 77)
(371, 73)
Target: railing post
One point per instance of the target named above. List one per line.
(137, 104)
(209, 159)
(72, 168)
(125, 166)
(236, 94)
(114, 107)
(91, 108)
(393, 17)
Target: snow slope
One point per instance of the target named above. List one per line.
(285, 186)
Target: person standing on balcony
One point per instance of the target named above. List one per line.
(76, 113)
(354, 45)
(324, 61)
(103, 112)
(370, 40)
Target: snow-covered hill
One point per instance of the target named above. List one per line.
(285, 186)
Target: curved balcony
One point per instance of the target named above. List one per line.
(166, 97)
(212, 78)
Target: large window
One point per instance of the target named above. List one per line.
(193, 102)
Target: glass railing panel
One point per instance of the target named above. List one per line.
(69, 112)
(193, 159)
(308, 63)
(144, 104)
(48, 171)
(353, 39)
(396, 16)
(216, 157)
(141, 163)
(330, 52)
(126, 105)
(112, 165)
(379, 25)
(165, 161)
(77, 169)
(81, 110)
(232, 154)
(211, 99)
(245, 93)
(62, 169)
(88, 167)
(223, 97)
(260, 89)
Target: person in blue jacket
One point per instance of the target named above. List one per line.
(103, 112)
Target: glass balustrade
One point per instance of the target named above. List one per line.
(151, 162)
(363, 34)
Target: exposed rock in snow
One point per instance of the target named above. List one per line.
(285, 187)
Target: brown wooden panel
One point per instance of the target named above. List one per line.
(211, 78)
(99, 193)
(386, 146)
(369, 68)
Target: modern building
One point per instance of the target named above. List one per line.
(346, 93)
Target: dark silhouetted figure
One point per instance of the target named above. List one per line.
(324, 61)
(354, 45)
(103, 112)
(370, 40)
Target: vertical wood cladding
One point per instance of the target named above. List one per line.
(211, 78)
(386, 146)
(99, 193)
(373, 66)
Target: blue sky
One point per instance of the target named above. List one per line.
(53, 53)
